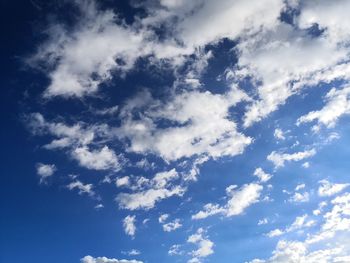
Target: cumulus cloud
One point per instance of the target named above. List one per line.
(173, 225)
(315, 248)
(279, 134)
(45, 171)
(196, 130)
(279, 159)
(337, 104)
(205, 246)
(90, 259)
(301, 222)
(262, 176)
(129, 225)
(102, 159)
(239, 200)
(150, 191)
(298, 197)
(327, 188)
(82, 188)
(76, 139)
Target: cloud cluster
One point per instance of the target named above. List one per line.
(239, 200)
(147, 192)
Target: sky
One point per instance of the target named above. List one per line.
(149, 131)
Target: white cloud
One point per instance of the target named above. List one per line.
(102, 159)
(149, 192)
(82, 188)
(163, 218)
(299, 223)
(148, 198)
(275, 233)
(45, 171)
(239, 200)
(279, 159)
(123, 181)
(263, 177)
(195, 130)
(328, 189)
(77, 70)
(279, 134)
(171, 226)
(316, 247)
(77, 139)
(132, 252)
(175, 250)
(337, 104)
(300, 197)
(263, 221)
(90, 259)
(205, 246)
(129, 225)
(299, 187)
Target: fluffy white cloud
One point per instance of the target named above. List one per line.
(175, 250)
(328, 189)
(205, 246)
(279, 134)
(102, 159)
(262, 176)
(149, 192)
(163, 218)
(196, 130)
(299, 223)
(82, 188)
(315, 248)
(77, 139)
(129, 225)
(90, 259)
(123, 181)
(279, 159)
(300, 197)
(239, 200)
(337, 104)
(45, 171)
(173, 225)
(84, 56)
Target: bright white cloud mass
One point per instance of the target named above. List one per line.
(194, 130)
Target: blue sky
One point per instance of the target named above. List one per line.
(175, 131)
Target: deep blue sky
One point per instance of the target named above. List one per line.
(220, 90)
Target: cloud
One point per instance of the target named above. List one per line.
(76, 71)
(262, 176)
(90, 259)
(195, 130)
(77, 139)
(129, 225)
(328, 189)
(337, 104)
(300, 197)
(239, 200)
(278, 134)
(123, 181)
(149, 192)
(279, 159)
(175, 250)
(163, 218)
(205, 246)
(171, 226)
(102, 159)
(45, 171)
(299, 223)
(315, 248)
(82, 188)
